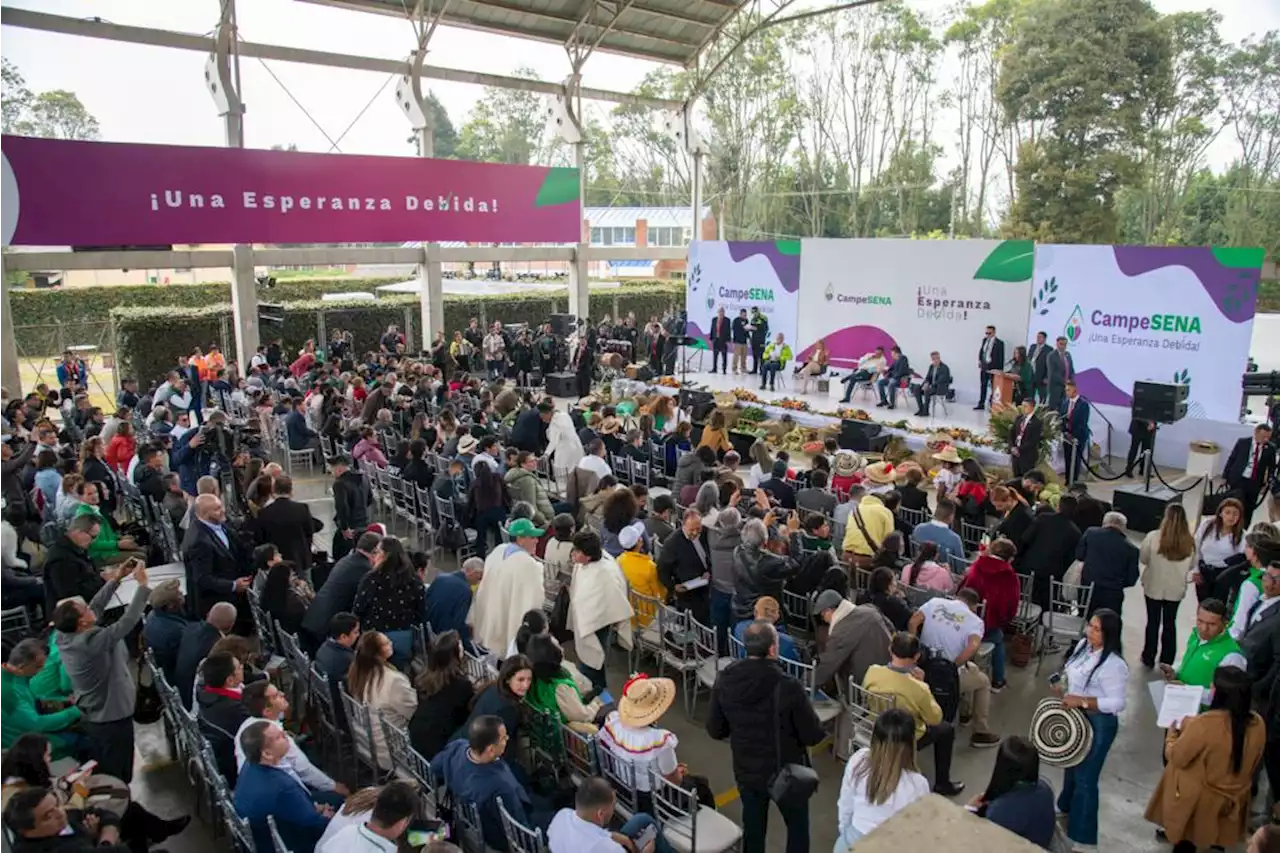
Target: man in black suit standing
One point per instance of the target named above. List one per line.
(1037, 355)
(1075, 432)
(1059, 367)
(990, 357)
(288, 525)
(217, 567)
(1250, 467)
(1142, 440)
(338, 595)
(1024, 440)
(937, 381)
(720, 341)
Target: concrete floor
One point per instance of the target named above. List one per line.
(1131, 773)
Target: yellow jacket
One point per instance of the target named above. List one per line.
(912, 696)
(878, 520)
(716, 439)
(642, 576)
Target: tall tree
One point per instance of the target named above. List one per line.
(1085, 71)
(1252, 89)
(505, 126)
(56, 114)
(16, 98)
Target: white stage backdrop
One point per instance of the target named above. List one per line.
(764, 275)
(922, 295)
(1155, 313)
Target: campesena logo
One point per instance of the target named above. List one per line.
(1174, 324)
(1075, 326)
(859, 299)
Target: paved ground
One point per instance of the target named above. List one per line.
(1130, 775)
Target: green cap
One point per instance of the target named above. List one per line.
(523, 527)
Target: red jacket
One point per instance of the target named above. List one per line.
(120, 452)
(997, 583)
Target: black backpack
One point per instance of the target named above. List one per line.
(943, 679)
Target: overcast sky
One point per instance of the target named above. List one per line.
(143, 94)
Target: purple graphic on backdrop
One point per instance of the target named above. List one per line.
(852, 343)
(784, 255)
(1233, 289)
(1097, 388)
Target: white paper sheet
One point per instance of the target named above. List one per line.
(696, 583)
(1180, 701)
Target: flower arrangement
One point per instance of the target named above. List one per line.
(1002, 418)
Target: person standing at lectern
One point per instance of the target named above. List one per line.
(1024, 441)
(1075, 429)
(1059, 369)
(759, 327)
(990, 357)
(1038, 355)
(720, 340)
(1142, 440)
(1250, 467)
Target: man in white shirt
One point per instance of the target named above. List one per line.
(582, 829)
(951, 627)
(392, 813)
(594, 461)
(488, 451)
(265, 701)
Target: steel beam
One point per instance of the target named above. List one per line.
(92, 28)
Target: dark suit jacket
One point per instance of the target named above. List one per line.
(338, 593)
(1026, 452)
(900, 369)
(1233, 472)
(289, 526)
(720, 329)
(938, 378)
(212, 568)
(1078, 424)
(1039, 363)
(1057, 373)
(996, 360)
(680, 561)
(1261, 647)
(68, 572)
(197, 639)
(1110, 559)
(529, 432)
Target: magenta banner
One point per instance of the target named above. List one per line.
(61, 193)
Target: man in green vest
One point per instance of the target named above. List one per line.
(1209, 647)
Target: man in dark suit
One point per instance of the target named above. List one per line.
(300, 435)
(937, 381)
(720, 340)
(1142, 440)
(892, 377)
(68, 571)
(685, 557)
(990, 357)
(1024, 439)
(197, 639)
(530, 429)
(1075, 429)
(339, 591)
(217, 567)
(1059, 369)
(288, 525)
(1261, 641)
(1037, 355)
(1250, 467)
(1110, 562)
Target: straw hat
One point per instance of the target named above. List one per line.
(645, 700)
(880, 473)
(1061, 735)
(947, 454)
(902, 468)
(847, 463)
(467, 444)
(610, 425)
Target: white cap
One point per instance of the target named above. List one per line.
(629, 536)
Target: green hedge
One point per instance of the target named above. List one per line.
(150, 339)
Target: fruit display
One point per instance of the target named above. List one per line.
(669, 382)
(812, 447)
(796, 439)
(1051, 493)
(745, 396)
(852, 414)
(792, 405)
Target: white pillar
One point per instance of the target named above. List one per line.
(431, 294)
(579, 271)
(10, 373)
(697, 196)
(244, 305)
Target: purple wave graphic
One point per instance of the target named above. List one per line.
(853, 342)
(692, 329)
(1233, 289)
(1097, 388)
(787, 267)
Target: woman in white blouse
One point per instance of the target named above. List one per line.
(1218, 540)
(1166, 556)
(881, 780)
(1093, 680)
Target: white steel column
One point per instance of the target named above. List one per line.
(579, 271)
(697, 195)
(431, 294)
(10, 372)
(244, 305)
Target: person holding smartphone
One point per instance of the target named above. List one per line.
(584, 828)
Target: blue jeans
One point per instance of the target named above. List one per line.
(722, 617)
(596, 676)
(769, 373)
(892, 386)
(1079, 797)
(638, 824)
(996, 637)
(487, 523)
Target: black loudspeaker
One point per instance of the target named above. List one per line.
(862, 436)
(1144, 510)
(644, 373)
(1162, 402)
(563, 324)
(699, 404)
(535, 378)
(562, 384)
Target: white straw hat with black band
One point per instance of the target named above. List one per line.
(1061, 735)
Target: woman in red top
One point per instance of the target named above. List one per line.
(992, 577)
(971, 494)
(844, 474)
(122, 448)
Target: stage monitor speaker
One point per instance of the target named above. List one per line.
(699, 404)
(1143, 509)
(563, 324)
(1161, 402)
(862, 436)
(562, 384)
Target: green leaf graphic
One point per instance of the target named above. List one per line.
(560, 186)
(1012, 260)
(1239, 256)
(788, 247)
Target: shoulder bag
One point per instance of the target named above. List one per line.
(793, 784)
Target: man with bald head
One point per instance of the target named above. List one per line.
(197, 639)
(217, 566)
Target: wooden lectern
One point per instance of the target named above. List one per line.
(1002, 387)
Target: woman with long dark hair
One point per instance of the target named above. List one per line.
(392, 598)
(488, 502)
(285, 596)
(925, 572)
(504, 697)
(556, 692)
(882, 591)
(1094, 679)
(1219, 544)
(879, 780)
(1166, 556)
(444, 696)
(1203, 797)
(619, 510)
(372, 679)
(1016, 797)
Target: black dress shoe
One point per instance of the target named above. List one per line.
(948, 789)
(978, 408)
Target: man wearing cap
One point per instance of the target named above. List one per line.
(511, 586)
(857, 638)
